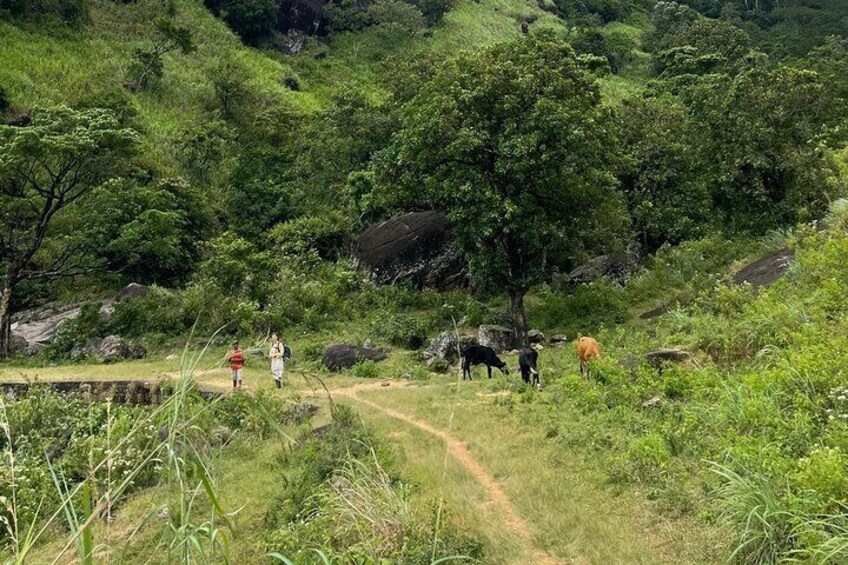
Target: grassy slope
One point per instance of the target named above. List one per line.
(43, 66)
(356, 59)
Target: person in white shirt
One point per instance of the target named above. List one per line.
(277, 355)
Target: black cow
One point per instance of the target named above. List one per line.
(527, 364)
(481, 355)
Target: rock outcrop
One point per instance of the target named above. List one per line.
(343, 356)
(109, 349)
(535, 336)
(499, 338)
(444, 347)
(39, 327)
(668, 355)
(131, 291)
(559, 339)
(415, 248)
(766, 270)
(618, 267)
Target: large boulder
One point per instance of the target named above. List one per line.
(18, 345)
(535, 336)
(559, 339)
(114, 348)
(343, 356)
(666, 355)
(131, 291)
(445, 347)
(39, 327)
(305, 16)
(499, 338)
(415, 248)
(108, 349)
(618, 267)
(766, 270)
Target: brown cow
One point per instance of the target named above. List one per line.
(587, 348)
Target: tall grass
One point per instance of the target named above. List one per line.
(764, 525)
(198, 528)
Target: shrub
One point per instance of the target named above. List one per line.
(825, 471)
(648, 457)
(70, 12)
(323, 236)
(400, 330)
(76, 332)
(160, 312)
(366, 370)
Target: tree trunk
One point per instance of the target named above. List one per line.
(6, 318)
(519, 319)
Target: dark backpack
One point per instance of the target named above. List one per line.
(286, 352)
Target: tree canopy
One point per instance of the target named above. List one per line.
(512, 142)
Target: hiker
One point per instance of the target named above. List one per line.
(236, 358)
(278, 362)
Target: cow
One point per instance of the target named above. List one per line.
(587, 348)
(481, 355)
(527, 364)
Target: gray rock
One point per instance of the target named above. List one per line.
(653, 402)
(415, 248)
(766, 270)
(631, 362)
(39, 327)
(114, 348)
(343, 356)
(18, 345)
(535, 336)
(670, 355)
(131, 291)
(106, 310)
(499, 338)
(618, 267)
(444, 347)
(559, 339)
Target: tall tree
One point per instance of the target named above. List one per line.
(45, 168)
(512, 142)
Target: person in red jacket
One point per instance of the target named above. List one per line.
(236, 358)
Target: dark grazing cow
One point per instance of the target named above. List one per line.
(527, 364)
(481, 355)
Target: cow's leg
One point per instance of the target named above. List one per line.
(489, 368)
(581, 368)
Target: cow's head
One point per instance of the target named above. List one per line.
(502, 366)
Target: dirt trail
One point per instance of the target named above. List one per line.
(460, 452)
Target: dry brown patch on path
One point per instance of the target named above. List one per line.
(461, 453)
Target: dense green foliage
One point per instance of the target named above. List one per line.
(230, 161)
(104, 444)
(277, 174)
(511, 144)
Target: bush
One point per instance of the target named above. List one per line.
(76, 331)
(70, 12)
(825, 471)
(366, 370)
(407, 331)
(160, 312)
(648, 457)
(323, 236)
